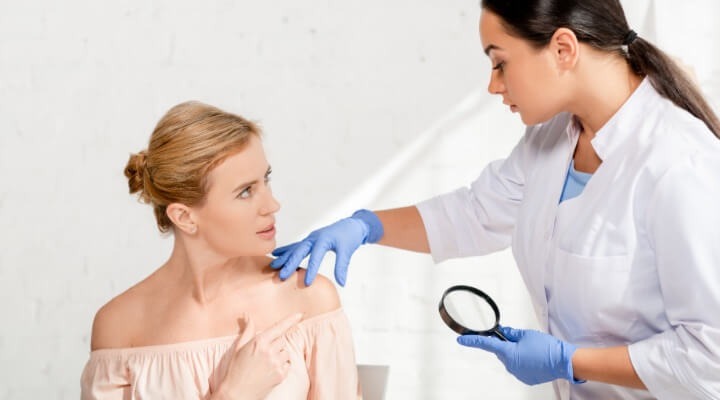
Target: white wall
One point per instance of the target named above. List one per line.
(373, 104)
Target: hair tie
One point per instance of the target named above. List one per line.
(629, 38)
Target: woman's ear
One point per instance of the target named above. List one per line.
(565, 48)
(182, 217)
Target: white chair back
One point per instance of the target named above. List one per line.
(373, 381)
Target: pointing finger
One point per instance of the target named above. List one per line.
(247, 333)
(281, 327)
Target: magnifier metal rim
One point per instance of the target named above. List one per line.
(459, 328)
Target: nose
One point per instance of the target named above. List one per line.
(270, 204)
(496, 85)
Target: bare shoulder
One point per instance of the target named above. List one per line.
(319, 298)
(322, 295)
(115, 323)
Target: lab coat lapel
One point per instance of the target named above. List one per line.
(537, 236)
(578, 215)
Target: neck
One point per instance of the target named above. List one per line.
(604, 86)
(205, 275)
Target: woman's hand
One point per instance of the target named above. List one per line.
(260, 362)
(536, 357)
(532, 356)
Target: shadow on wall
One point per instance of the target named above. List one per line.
(391, 297)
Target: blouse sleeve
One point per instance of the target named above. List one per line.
(683, 222)
(330, 358)
(105, 377)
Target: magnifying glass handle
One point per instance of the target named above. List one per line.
(496, 332)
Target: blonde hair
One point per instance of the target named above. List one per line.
(188, 142)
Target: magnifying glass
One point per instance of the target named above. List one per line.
(469, 311)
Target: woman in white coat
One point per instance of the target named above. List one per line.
(610, 202)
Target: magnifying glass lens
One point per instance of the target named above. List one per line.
(470, 310)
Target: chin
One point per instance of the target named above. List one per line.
(539, 116)
(529, 120)
(267, 247)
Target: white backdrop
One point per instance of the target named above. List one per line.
(364, 104)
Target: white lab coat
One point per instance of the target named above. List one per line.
(634, 260)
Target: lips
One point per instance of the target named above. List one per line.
(267, 228)
(268, 233)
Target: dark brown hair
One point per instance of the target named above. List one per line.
(602, 25)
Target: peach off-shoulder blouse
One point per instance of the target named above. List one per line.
(322, 366)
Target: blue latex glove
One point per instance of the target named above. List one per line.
(532, 356)
(343, 237)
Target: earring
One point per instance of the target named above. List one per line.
(193, 230)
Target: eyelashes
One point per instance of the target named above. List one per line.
(247, 192)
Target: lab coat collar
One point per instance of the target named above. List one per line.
(573, 129)
(623, 123)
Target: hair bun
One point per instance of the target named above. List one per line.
(135, 171)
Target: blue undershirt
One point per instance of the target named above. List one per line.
(575, 182)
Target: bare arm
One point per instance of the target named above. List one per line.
(609, 365)
(404, 229)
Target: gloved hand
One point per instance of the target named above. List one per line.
(343, 237)
(532, 356)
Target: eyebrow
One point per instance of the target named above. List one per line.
(491, 47)
(246, 184)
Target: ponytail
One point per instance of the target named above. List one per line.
(671, 81)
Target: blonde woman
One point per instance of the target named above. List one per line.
(214, 322)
